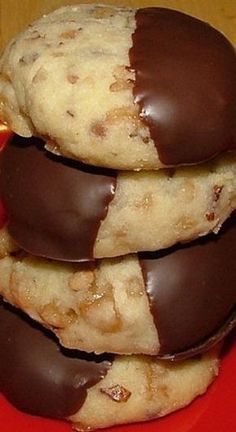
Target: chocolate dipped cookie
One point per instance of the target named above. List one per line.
(130, 271)
(122, 88)
(41, 378)
(60, 209)
(174, 303)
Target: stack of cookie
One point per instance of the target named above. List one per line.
(120, 176)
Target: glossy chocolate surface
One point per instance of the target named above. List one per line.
(54, 205)
(192, 292)
(185, 85)
(37, 375)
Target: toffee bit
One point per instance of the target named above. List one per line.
(210, 216)
(118, 114)
(70, 34)
(117, 393)
(99, 129)
(72, 78)
(133, 134)
(217, 191)
(120, 85)
(146, 140)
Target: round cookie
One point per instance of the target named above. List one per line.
(60, 209)
(92, 392)
(174, 304)
(87, 80)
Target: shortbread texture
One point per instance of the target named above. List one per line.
(94, 308)
(67, 79)
(141, 388)
(157, 209)
(101, 306)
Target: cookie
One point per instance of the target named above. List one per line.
(60, 209)
(88, 80)
(91, 391)
(173, 304)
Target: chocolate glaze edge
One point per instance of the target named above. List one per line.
(205, 345)
(37, 375)
(185, 85)
(54, 205)
(192, 292)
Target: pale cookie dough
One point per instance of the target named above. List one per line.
(102, 310)
(140, 388)
(154, 210)
(67, 78)
(62, 47)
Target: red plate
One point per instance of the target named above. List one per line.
(215, 411)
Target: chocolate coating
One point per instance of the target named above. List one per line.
(37, 375)
(208, 343)
(54, 205)
(192, 292)
(185, 85)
